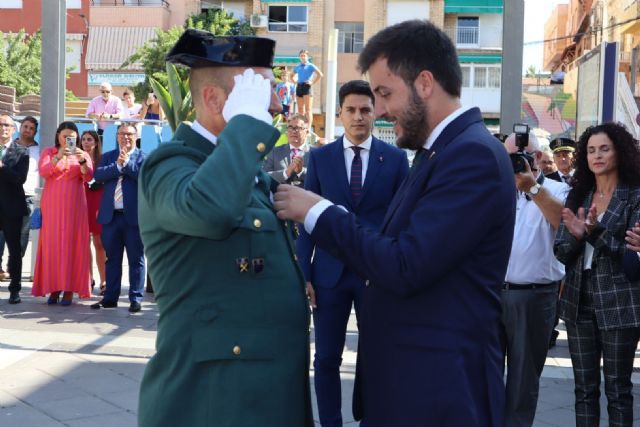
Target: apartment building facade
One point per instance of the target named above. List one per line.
(102, 34)
(16, 15)
(475, 26)
(588, 23)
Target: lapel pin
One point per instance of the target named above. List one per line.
(243, 264)
(433, 153)
(380, 159)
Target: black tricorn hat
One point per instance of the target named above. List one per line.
(562, 144)
(197, 48)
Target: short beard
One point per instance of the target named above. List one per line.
(413, 122)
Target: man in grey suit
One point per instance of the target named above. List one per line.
(286, 163)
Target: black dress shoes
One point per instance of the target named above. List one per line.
(104, 304)
(14, 297)
(134, 307)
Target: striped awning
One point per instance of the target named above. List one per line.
(110, 47)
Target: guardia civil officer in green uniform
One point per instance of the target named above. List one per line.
(233, 331)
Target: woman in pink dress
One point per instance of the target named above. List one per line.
(93, 190)
(62, 263)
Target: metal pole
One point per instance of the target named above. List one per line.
(511, 86)
(332, 75)
(634, 69)
(54, 29)
(53, 68)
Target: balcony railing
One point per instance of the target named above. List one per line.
(162, 3)
(467, 35)
(464, 36)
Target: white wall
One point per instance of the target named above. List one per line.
(73, 55)
(485, 96)
(404, 10)
(237, 7)
(487, 100)
(490, 30)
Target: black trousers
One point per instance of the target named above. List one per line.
(12, 229)
(587, 343)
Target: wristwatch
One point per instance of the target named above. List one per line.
(534, 190)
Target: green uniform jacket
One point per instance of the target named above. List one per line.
(233, 332)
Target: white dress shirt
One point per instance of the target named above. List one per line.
(199, 129)
(532, 259)
(33, 177)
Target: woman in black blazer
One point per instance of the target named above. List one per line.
(599, 303)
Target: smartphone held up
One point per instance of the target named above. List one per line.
(71, 144)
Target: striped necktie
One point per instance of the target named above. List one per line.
(117, 195)
(356, 175)
(2, 150)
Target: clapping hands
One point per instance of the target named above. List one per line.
(581, 224)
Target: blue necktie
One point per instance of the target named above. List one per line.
(356, 175)
(419, 156)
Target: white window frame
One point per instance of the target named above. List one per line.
(290, 23)
(357, 37)
(472, 75)
(469, 68)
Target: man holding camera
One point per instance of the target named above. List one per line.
(530, 290)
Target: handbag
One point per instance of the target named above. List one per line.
(36, 219)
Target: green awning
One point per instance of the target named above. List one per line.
(481, 59)
(285, 60)
(382, 123)
(473, 6)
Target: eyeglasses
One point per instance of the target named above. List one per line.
(105, 91)
(128, 134)
(296, 128)
(6, 125)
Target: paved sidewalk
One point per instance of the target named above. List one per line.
(73, 366)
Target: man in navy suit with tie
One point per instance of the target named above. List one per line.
(118, 214)
(430, 351)
(360, 173)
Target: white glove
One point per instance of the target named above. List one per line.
(251, 95)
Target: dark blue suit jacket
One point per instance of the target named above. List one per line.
(13, 174)
(429, 345)
(327, 176)
(107, 172)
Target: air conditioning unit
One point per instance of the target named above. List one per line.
(259, 21)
